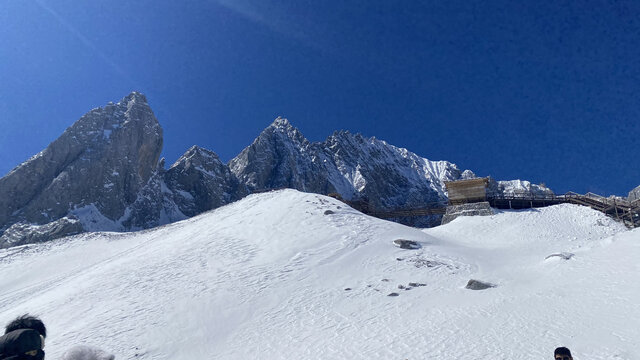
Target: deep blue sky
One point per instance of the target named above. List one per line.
(543, 91)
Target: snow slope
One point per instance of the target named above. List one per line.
(265, 277)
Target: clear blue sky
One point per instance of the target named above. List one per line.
(547, 91)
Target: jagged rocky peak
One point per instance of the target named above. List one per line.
(389, 177)
(381, 151)
(198, 181)
(281, 122)
(354, 166)
(197, 156)
(282, 128)
(279, 157)
(101, 162)
(134, 96)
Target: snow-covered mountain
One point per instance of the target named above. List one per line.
(103, 174)
(98, 165)
(388, 176)
(349, 164)
(292, 275)
(517, 187)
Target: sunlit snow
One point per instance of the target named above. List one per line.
(267, 278)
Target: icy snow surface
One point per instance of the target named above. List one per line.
(266, 278)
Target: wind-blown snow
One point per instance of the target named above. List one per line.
(265, 278)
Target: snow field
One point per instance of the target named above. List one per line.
(265, 278)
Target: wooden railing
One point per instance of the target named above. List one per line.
(621, 209)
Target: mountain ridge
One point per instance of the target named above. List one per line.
(104, 174)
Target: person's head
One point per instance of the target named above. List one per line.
(562, 353)
(22, 344)
(27, 321)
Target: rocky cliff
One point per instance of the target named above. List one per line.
(199, 181)
(281, 157)
(355, 167)
(101, 161)
(102, 174)
(351, 165)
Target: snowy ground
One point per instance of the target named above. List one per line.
(265, 278)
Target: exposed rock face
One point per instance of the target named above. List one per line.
(281, 157)
(351, 165)
(21, 233)
(101, 161)
(634, 194)
(200, 181)
(102, 174)
(388, 176)
(473, 209)
(147, 210)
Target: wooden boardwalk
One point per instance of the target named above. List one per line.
(619, 209)
(627, 212)
(622, 210)
(409, 212)
(434, 208)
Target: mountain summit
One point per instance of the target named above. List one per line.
(101, 161)
(354, 166)
(103, 174)
(280, 157)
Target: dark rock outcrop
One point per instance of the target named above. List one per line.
(21, 233)
(199, 181)
(406, 244)
(479, 285)
(562, 255)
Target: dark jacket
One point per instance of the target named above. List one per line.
(15, 344)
